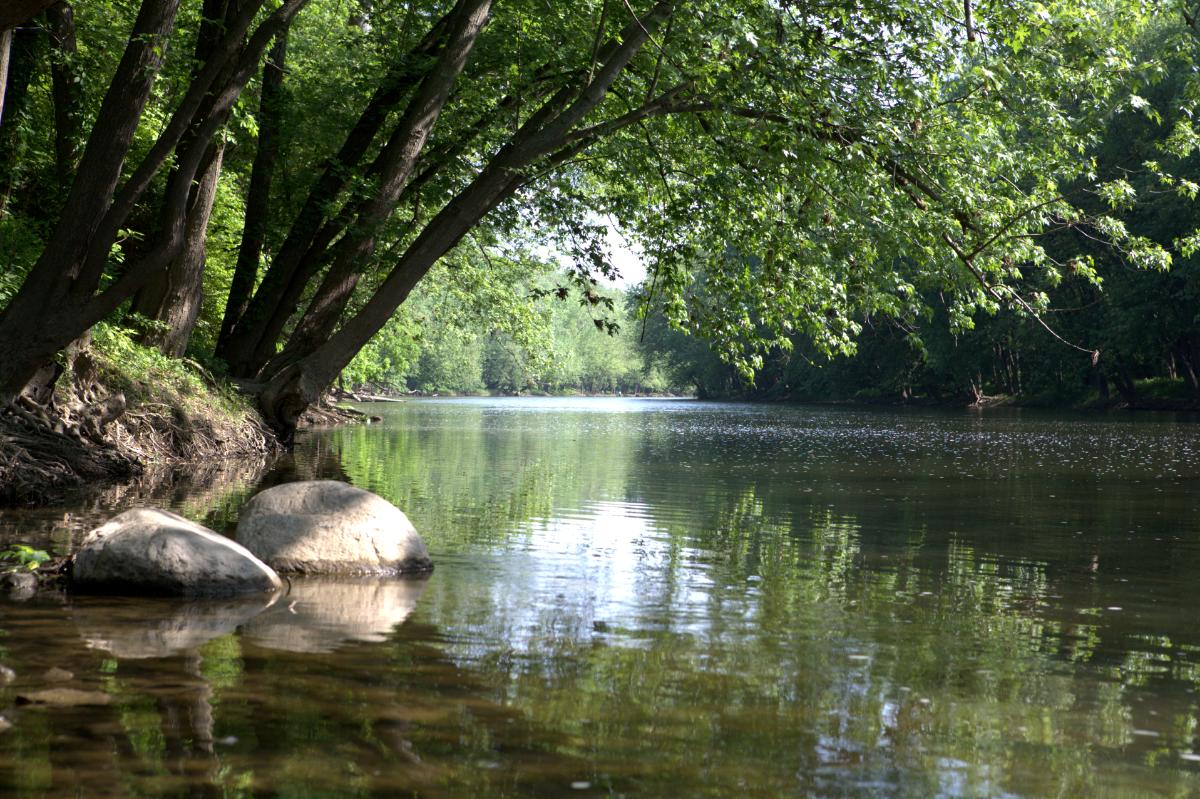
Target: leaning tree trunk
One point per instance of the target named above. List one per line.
(173, 297)
(58, 300)
(546, 137)
(252, 336)
(258, 198)
(66, 90)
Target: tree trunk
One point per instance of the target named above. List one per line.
(58, 299)
(66, 82)
(5, 50)
(396, 163)
(96, 181)
(292, 387)
(14, 12)
(251, 339)
(258, 199)
(22, 57)
(1125, 386)
(173, 297)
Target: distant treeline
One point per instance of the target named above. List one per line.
(510, 336)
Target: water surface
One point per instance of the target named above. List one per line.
(665, 598)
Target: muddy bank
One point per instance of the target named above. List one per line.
(107, 420)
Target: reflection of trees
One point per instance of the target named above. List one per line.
(463, 483)
(810, 614)
(667, 608)
(208, 492)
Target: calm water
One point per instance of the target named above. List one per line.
(664, 599)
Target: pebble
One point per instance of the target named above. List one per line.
(64, 697)
(55, 674)
(7, 675)
(5, 724)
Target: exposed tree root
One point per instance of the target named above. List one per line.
(326, 414)
(78, 431)
(41, 455)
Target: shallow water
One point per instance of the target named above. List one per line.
(665, 598)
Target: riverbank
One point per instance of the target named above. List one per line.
(119, 412)
(1154, 394)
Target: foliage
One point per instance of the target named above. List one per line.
(23, 556)
(806, 179)
(509, 325)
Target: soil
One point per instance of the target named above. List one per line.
(93, 424)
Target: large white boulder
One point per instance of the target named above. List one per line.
(327, 527)
(147, 551)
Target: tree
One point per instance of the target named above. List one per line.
(61, 296)
(793, 152)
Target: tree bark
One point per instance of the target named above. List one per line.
(66, 82)
(252, 337)
(294, 383)
(258, 198)
(173, 297)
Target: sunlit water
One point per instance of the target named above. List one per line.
(665, 599)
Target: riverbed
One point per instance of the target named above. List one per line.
(661, 598)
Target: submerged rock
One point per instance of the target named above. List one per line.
(19, 585)
(327, 527)
(321, 613)
(146, 551)
(64, 697)
(55, 674)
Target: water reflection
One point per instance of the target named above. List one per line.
(318, 614)
(156, 628)
(679, 599)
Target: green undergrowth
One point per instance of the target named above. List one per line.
(145, 375)
(175, 408)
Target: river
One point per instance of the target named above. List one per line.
(663, 598)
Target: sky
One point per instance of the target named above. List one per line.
(626, 256)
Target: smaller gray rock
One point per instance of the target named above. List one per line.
(146, 551)
(327, 527)
(55, 674)
(64, 697)
(19, 585)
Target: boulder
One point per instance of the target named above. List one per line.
(327, 527)
(146, 551)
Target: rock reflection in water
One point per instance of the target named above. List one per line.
(321, 613)
(156, 628)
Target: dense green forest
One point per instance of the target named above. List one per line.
(834, 199)
(474, 334)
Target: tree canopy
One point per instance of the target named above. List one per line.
(270, 181)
